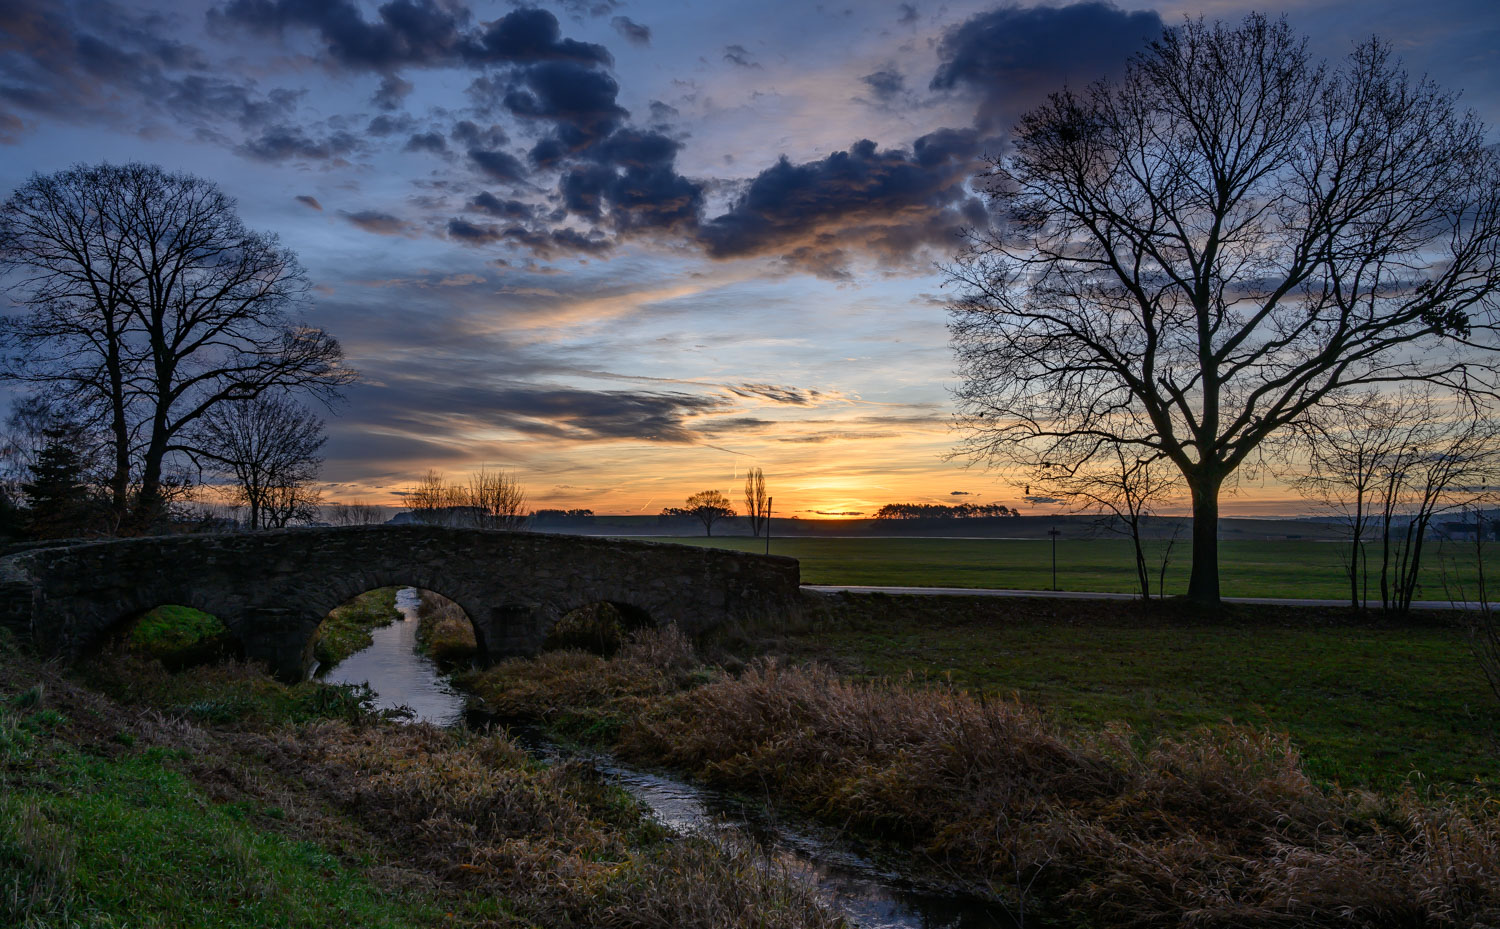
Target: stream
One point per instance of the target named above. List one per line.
(870, 896)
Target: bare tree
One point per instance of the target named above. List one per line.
(498, 498)
(757, 504)
(708, 507)
(1127, 490)
(433, 499)
(149, 304)
(489, 500)
(1191, 259)
(1389, 466)
(269, 447)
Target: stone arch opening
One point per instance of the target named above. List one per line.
(441, 628)
(600, 626)
(176, 634)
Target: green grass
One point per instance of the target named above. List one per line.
(347, 628)
(128, 840)
(1367, 705)
(1246, 569)
(171, 631)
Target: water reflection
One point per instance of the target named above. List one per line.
(399, 674)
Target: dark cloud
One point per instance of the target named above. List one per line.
(890, 203)
(502, 166)
(631, 30)
(472, 135)
(578, 100)
(280, 143)
(885, 84)
(309, 201)
(739, 56)
(425, 406)
(776, 393)
(662, 112)
(959, 493)
(426, 142)
(487, 202)
(551, 243)
(1030, 499)
(529, 35)
(416, 33)
(377, 222)
(471, 233)
(385, 124)
(391, 92)
(407, 32)
(1013, 57)
(908, 13)
(631, 176)
(96, 61)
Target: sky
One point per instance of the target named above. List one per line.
(626, 250)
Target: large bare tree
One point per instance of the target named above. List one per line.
(148, 303)
(1188, 260)
(269, 448)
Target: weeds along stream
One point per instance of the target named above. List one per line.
(869, 895)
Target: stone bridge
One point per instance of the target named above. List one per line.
(272, 589)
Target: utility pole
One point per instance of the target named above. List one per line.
(770, 501)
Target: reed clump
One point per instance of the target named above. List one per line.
(1221, 827)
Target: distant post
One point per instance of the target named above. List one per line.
(1054, 532)
(770, 501)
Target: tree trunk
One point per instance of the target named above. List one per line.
(1203, 584)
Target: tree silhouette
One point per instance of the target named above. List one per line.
(1188, 261)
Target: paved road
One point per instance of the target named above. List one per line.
(1096, 595)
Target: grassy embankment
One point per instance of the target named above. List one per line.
(443, 630)
(347, 628)
(1102, 823)
(219, 798)
(1312, 570)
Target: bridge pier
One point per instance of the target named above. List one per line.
(279, 638)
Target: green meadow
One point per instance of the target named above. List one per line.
(1283, 568)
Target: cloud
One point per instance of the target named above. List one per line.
(472, 233)
(414, 402)
(377, 222)
(775, 393)
(392, 91)
(415, 33)
(886, 84)
(631, 30)
(1041, 500)
(502, 166)
(283, 142)
(1012, 57)
(959, 493)
(426, 142)
(579, 101)
(487, 202)
(98, 62)
(891, 204)
(739, 56)
(908, 14)
(309, 201)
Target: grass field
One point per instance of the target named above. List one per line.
(1247, 569)
(1368, 704)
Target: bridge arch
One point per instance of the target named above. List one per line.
(272, 589)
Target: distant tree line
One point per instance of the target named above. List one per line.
(942, 511)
